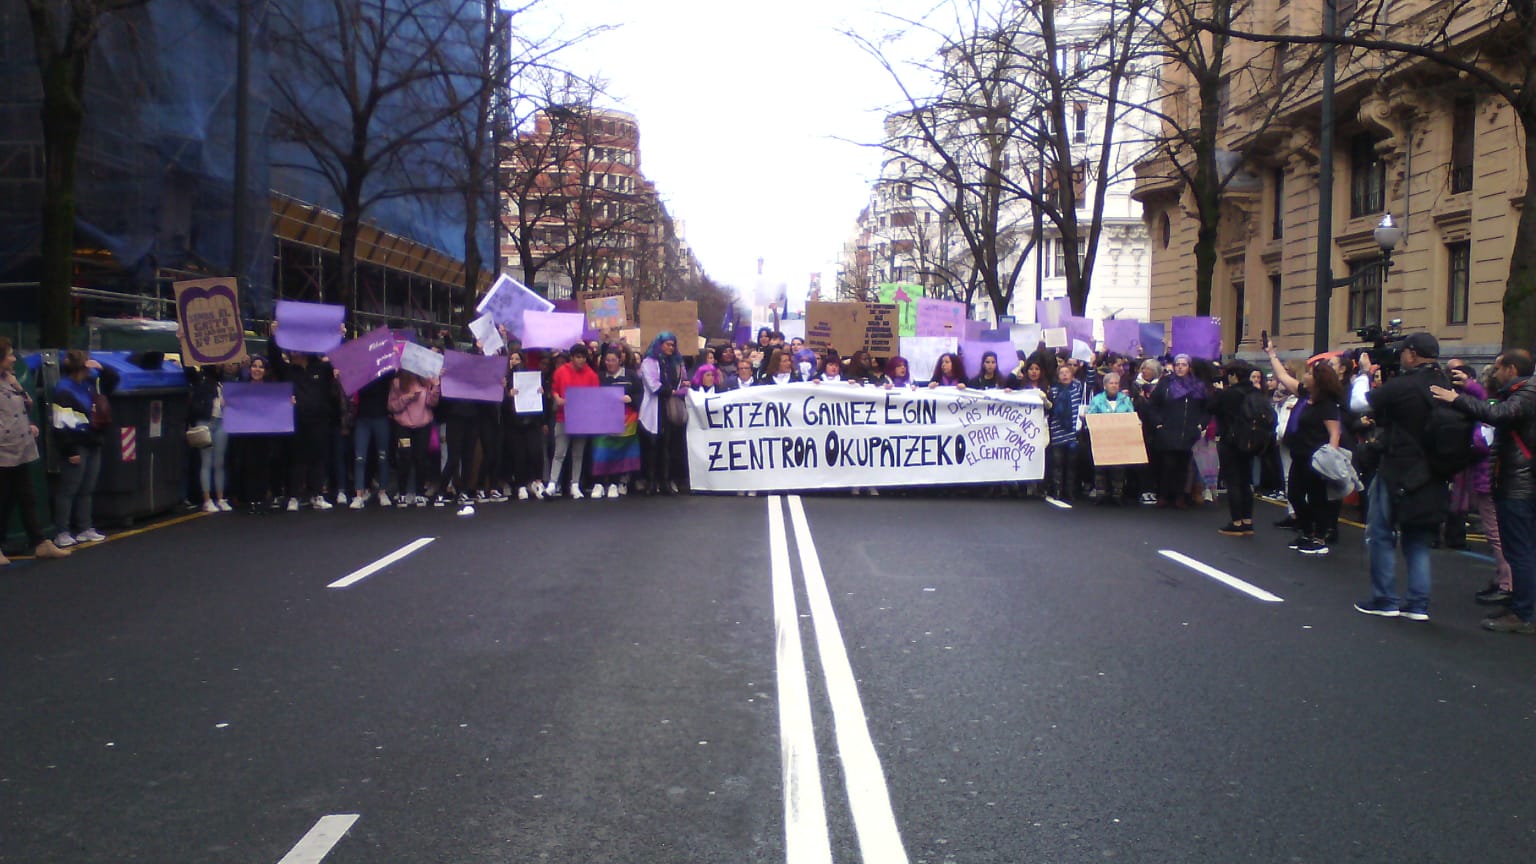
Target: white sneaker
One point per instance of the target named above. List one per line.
(358, 502)
(89, 535)
(224, 505)
(576, 493)
(319, 503)
(1208, 496)
(383, 498)
(64, 540)
(293, 505)
(466, 510)
(597, 491)
(522, 493)
(673, 487)
(874, 493)
(624, 488)
(208, 507)
(421, 500)
(551, 491)
(613, 490)
(341, 497)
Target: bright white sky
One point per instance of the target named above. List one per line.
(740, 106)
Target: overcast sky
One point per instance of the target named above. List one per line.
(740, 106)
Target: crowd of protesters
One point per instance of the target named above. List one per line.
(1306, 434)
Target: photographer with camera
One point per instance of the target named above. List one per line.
(1407, 498)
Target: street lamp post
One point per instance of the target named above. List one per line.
(1387, 236)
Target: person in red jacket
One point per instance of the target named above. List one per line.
(573, 374)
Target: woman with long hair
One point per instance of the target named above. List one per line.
(78, 433)
(207, 408)
(523, 443)
(781, 368)
(411, 403)
(663, 377)
(988, 376)
(1180, 416)
(947, 372)
(1318, 420)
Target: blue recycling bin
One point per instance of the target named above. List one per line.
(144, 453)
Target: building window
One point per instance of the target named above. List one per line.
(1458, 281)
(1224, 100)
(1167, 226)
(1240, 312)
(1364, 294)
(1274, 304)
(1367, 176)
(1277, 206)
(1463, 142)
(1079, 123)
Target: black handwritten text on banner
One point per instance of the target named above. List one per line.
(836, 436)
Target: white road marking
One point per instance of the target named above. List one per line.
(1224, 578)
(868, 796)
(805, 812)
(1058, 504)
(359, 575)
(318, 843)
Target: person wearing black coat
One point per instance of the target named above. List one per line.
(316, 416)
(1179, 412)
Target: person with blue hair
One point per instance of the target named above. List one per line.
(663, 415)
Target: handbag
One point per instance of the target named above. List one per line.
(199, 437)
(101, 411)
(677, 411)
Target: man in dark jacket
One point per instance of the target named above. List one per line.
(1514, 480)
(1407, 502)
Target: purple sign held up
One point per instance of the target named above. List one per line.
(552, 329)
(1053, 313)
(506, 302)
(743, 335)
(594, 411)
(996, 336)
(473, 377)
(258, 409)
(1197, 336)
(1079, 330)
(365, 359)
(313, 328)
(939, 318)
(1122, 336)
(973, 353)
(1153, 339)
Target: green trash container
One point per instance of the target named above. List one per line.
(144, 454)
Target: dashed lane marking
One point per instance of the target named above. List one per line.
(317, 844)
(359, 575)
(1224, 578)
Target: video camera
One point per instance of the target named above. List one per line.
(1386, 344)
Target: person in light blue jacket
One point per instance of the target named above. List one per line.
(1109, 481)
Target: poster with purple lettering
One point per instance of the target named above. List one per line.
(258, 409)
(508, 299)
(1198, 336)
(473, 377)
(1122, 336)
(939, 318)
(1080, 330)
(368, 357)
(552, 329)
(594, 411)
(313, 328)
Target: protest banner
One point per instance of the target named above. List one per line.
(421, 360)
(631, 336)
(605, 313)
(1053, 313)
(1152, 339)
(365, 359)
(485, 332)
(473, 377)
(211, 329)
(1082, 351)
(1116, 439)
(1198, 336)
(974, 329)
(313, 328)
(528, 399)
(833, 325)
(507, 300)
(904, 296)
(594, 411)
(1122, 336)
(802, 436)
(922, 352)
(558, 330)
(880, 325)
(792, 329)
(258, 409)
(939, 318)
(680, 317)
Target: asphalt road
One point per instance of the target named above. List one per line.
(603, 681)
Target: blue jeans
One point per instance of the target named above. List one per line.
(1517, 530)
(73, 498)
(371, 433)
(1381, 537)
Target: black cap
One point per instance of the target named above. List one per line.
(1423, 344)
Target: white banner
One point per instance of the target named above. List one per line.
(828, 436)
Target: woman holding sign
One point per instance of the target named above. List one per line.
(616, 457)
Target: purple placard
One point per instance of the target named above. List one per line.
(971, 354)
(939, 318)
(566, 306)
(1053, 313)
(473, 377)
(1153, 339)
(507, 300)
(1122, 336)
(973, 331)
(594, 411)
(365, 359)
(996, 336)
(1079, 329)
(743, 335)
(313, 328)
(552, 329)
(1197, 336)
(258, 409)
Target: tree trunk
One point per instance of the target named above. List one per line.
(1520, 290)
(63, 117)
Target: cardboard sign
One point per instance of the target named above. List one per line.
(631, 337)
(881, 326)
(211, 331)
(834, 325)
(605, 313)
(1116, 439)
(681, 317)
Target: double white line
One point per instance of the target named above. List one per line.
(805, 815)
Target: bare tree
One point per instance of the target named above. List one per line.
(63, 34)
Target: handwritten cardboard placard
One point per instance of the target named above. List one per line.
(833, 325)
(904, 296)
(680, 317)
(881, 323)
(922, 352)
(211, 331)
(605, 313)
(1116, 439)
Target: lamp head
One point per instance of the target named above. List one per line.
(1387, 234)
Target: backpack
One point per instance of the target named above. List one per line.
(1447, 440)
(1253, 429)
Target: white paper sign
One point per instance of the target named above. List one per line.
(804, 436)
(528, 400)
(792, 329)
(923, 352)
(1081, 351)
(1055, 337)
(423, 361)
(1025, 337)
(485, 330)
